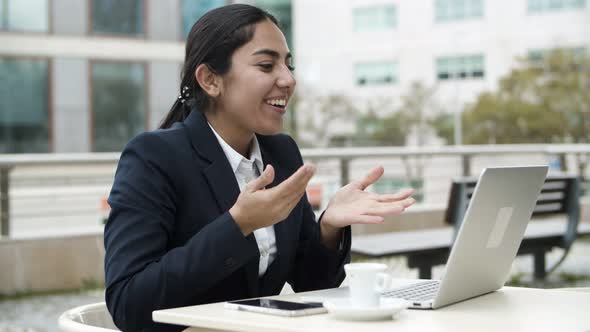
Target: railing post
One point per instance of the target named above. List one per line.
(4, 201)
(466, 164)
(344, 169)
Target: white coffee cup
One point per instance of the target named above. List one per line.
(366, 282)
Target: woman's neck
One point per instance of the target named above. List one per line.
(237, 138)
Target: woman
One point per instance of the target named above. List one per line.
(188, 225)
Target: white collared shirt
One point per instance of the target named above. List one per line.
(246, 170)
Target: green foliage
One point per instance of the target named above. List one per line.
(444, 126)
(540, 102)
(381, 131)
(394, 127)
(329, 112)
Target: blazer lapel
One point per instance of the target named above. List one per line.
(221, 179)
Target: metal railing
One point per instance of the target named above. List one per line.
(573, 158)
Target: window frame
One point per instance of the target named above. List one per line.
(92, 111)
(379, 8)
(544, 6)
(460, 67)
(386, 79)
(467, 12)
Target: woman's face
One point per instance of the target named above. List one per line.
(257, 88)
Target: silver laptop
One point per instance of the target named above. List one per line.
(488, 240)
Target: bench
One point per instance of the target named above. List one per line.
(555, 223)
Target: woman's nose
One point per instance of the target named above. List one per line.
(286, 79)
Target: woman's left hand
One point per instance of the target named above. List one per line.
(353, 205)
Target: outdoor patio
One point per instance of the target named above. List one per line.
(39, 313)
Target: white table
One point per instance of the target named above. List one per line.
(508, 309)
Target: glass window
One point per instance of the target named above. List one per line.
(282, 11)
(455, 10)
(374, 18)
(460, 67)
(534, 5)
(118, 104)
(3, 14)
(24, 120)
(376, 73)
(118, 17)
(539, 6)
(24, 15)
(192, 10)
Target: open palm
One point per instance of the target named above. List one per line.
(353, 205)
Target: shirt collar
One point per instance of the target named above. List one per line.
(234, 157)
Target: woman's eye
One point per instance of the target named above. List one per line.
(265, 66)
(291, 67)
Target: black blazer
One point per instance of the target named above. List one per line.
(170, 240)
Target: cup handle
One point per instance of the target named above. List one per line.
(384, 281)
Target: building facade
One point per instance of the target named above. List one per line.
(87, 75)
(372, 48)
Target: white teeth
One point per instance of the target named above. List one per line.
(277, 102)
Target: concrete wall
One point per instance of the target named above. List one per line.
(163, 20)
(69, 17)
(163, 90)
(71, 117)
(326, 53)
(53, 263)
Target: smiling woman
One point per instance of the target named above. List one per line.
(211, 207)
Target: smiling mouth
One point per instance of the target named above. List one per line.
(278, 103)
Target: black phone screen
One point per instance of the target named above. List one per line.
(278, 304)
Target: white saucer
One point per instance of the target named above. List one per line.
(343, 309)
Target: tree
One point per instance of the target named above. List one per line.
(540, 102)
(375, 130)
(413, 116)
(326, 116)
(564, 89)
(444, 126)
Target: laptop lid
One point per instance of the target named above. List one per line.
(491, 232)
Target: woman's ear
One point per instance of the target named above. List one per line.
(208, 80)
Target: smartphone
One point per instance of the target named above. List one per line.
(277, 307)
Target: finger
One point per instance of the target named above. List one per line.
(292, 195)
(367, 219)
(400, 195)
(383, 209)
(293, 201)
(296, 183)
(286, 204)
(296, 194)
(266, 178)
(371, 177)
(408, 202)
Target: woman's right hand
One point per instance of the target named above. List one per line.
(257, 207)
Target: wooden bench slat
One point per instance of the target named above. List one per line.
(402, 243)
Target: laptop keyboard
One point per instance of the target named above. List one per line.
(417, 292)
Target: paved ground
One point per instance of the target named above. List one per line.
(40, 313)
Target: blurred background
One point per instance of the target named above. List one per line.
(431, 89)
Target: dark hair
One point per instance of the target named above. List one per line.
(212, 40)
